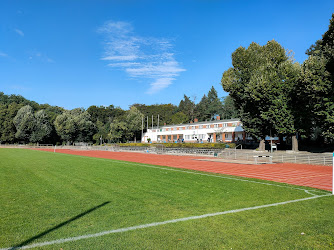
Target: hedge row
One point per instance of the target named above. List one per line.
(179, 145)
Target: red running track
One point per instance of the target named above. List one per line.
(297, 174)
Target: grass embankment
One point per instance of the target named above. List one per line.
(47, 196)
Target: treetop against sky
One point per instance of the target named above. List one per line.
(82, 53)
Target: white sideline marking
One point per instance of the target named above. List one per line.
(154, 224)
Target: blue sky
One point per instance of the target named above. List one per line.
(80, 53)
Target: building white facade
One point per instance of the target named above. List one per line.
(210, 131)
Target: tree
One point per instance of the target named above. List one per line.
(317, 83)
(214, 104)
(7, 127)
(260, 84)
(102, 132)
(229, 109)
(126, 127)
(30, 126)
(164, 111)
(187, 107)
(42, 128)
(134, 123)
(179, 118)
(201, 111)
(75, 125)
(117, 130)
(102, 113)
(325, 47)
(25, 123)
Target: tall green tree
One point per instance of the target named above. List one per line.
(127, 127)
(102, 113)
(75, 126)
(31, 126)
(179, 118)
(24, 122)
(117, 130)
(134, 123)
(260, 83)
(215, 106)
(201, 111)
(229, 109)
(164, 111)
(42, 128)
(7, 127)
(317, 83)
(187, 106)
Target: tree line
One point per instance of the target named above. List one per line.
(275, 95)
(25, 121)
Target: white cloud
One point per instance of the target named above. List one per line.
(120, 58)
(160, 84)
(141, 57)
(19, 32)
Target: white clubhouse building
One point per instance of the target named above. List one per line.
(209, 131)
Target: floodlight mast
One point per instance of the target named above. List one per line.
(142, 128)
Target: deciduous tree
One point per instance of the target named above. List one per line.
(260, 83)
(75, 125)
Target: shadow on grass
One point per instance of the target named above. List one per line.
(26, 242)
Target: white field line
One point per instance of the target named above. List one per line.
(154, 224)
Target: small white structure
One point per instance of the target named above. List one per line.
(209, 131)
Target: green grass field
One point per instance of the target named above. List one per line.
(47, 196)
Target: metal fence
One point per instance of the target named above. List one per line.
(281, 157)
(325, 159)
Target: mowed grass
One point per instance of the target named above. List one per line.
(47, 196)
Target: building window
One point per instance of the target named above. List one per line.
(200, 126)
(216, 126)
(226, 135)
(225, 125)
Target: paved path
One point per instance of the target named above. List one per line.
(297, 174)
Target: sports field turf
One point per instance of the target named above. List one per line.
(55, 201)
